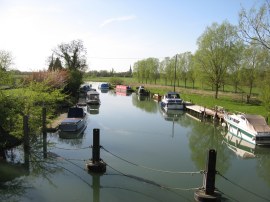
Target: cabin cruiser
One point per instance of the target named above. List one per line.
(251, 128)
(172, 100)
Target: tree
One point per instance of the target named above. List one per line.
(152, 65)
(55, 64)
(236, 65)
(6, 60)
(162, 68)
(185, 65)
(73, 55)
(214, 53)
(251, 65)
(192, 73)
(254, 25)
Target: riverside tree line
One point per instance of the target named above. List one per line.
(226, 55)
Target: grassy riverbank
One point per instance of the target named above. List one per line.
(233, 102)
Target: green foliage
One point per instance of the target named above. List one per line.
(116, 81)
(55, 64)
(215, 53)
(74, 81)
(28, 101)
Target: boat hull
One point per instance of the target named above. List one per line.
(72, 128)
(249, 136)
(172, 106)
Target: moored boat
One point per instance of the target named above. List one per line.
(92, 97)
(251, 128)
(74, 125)
(84, 88)
(123, 90)
(142, 91)
(104, 86)
(172, 100)
(157, 97)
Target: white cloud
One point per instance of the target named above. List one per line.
(118, 19)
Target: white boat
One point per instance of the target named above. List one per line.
(92, 98)
(251, 128)
(74, 125)
(172, 100)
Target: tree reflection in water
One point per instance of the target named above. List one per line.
(18, 166)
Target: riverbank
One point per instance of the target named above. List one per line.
(232, 102)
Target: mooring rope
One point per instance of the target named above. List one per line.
(153, 169)
(243, 188)
(152, 182)
(72, 148)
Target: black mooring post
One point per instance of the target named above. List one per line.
(26, 132)
(96, 146)
(96, 164)
(210, 172)
(26, 143)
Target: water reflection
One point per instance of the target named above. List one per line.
(246, 150)
(78, 141)
(204, 136)
(93, 109)
(124, 93)
(171, 114)
(147, 105)
(19, 165)
(239, 146)
(104, 90)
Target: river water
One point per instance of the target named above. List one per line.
(150, 155)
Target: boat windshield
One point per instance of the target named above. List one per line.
(173, 96)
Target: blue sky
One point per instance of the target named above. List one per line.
(116, 33)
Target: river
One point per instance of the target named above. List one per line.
(150, 156)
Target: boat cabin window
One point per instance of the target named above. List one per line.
(242, 117)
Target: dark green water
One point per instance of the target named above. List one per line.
(144, 148)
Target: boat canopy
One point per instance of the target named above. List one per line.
(258, 122)
(75, 112)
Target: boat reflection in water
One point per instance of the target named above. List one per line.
(243, 148)
(171, 114)
(93, 109)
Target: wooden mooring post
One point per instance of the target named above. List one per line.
(26, 143)
(208, 192)
(96, 164)
(44, 132)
